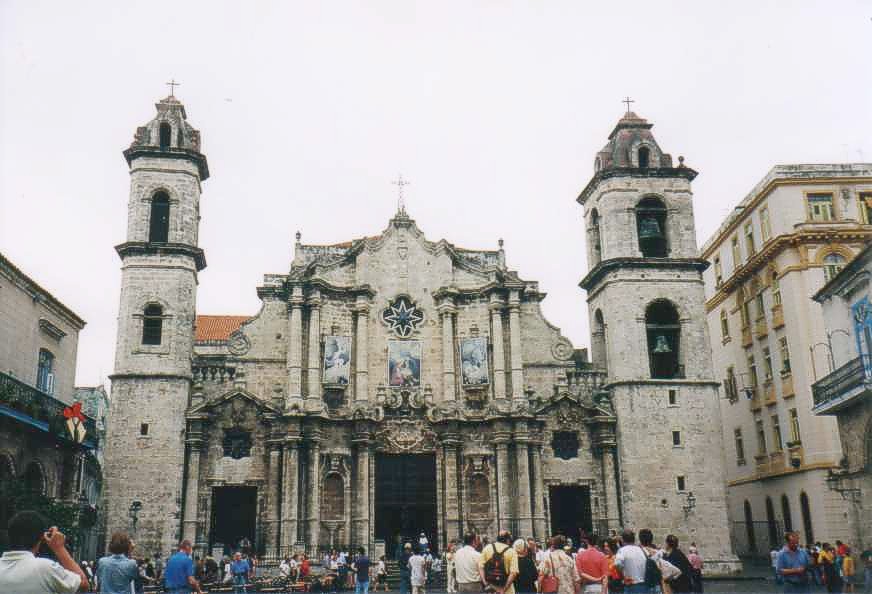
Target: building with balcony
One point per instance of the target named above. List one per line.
(792, 233)
(846, 393)
(38, 343)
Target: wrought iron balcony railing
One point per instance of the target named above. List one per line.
(831, 391)
(40, 409)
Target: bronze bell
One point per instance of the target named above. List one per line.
(649, 228)
(661, 345)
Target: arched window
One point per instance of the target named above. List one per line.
(34, 479)
(833, 263)
(749, 527)
(805, 509)
(771, 524)
(595, 242)
(166, 134)
(664, 339)
(651, 226)
(644, 157)
(44, 375)
(334, 498)
(152, 324)
(159, 222)
(598, 342)
(785, 513)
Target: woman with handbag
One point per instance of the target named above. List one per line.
(558, 574)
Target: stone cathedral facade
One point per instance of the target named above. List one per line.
(394, 385)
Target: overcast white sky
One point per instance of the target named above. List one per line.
(493, 110)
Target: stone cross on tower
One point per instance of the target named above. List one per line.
(627, 100)
(401, 203)
(172, 85)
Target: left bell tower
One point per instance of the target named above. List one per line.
(145, 449)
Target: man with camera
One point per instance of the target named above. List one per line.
(22, 572)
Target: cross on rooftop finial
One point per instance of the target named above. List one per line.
(627, 100)
(400, 183)
(172, 85)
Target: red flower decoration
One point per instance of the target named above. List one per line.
(74, 412)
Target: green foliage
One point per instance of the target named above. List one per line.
(16, 497)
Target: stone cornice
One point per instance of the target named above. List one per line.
(143, 248)
(604, 174)
(774, 247)
(606, 266)
(37, 293)
(194, 157)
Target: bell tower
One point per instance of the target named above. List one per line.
(648, 331)
(145, 449)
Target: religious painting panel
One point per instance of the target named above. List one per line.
(473, 361)
(478, 499)
(404, 363)
(333, 498)
(337, 359)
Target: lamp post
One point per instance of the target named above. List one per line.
(690, 503)
(135, 507)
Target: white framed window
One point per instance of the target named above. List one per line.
(719, 273)
(681, 483)
(833, 264)
(775, 285)
(750, 246)
(767, 364)
(725, 324)
(676, 438)
(737, 255)
(820, 207)
(795, 436)
(785, 355)
(765, 225)
(752, 371)
(761, 436)
(740, 446)
(777, 442)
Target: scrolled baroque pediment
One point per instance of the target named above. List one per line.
(405, 436)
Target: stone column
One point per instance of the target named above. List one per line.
(192, 490)
(273, 491)
(447, 311)
(295, 347)
(540, 526)
(361, 375)
(496, 309)
(313, 380)
(360, 500)
(313, 507)
(610, 487)
(450, 445)
(290, 492)
(515, 346)
(525, 518)
(501, 441)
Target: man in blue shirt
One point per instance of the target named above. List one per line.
(361, 569)
(239, 569)
(792, 565)
(179, 572)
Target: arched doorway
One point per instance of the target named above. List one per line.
(805, 509)
(749, 527)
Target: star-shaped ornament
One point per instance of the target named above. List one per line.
(402, 316)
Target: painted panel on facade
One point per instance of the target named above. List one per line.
(473, 361)
(337, 359)
(404, 363)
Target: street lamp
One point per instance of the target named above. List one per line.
(135, 507)
(690, 503)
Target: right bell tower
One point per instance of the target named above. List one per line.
(646, 303)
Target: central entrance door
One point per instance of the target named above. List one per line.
(234, 516)
(570, 511)
(405, 498)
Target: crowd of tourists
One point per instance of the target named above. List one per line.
(797, 568)
(521, 566)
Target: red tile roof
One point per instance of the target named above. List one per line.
(217, 328)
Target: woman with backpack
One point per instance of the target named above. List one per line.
(559, 574)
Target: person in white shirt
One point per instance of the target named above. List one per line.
(631, 559)
(22, 572)
(285, 568)
(466, 565)
(418, 573)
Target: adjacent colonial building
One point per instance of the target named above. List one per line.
(392, 385)
(791, 234)
(846, 392)
(39, 338)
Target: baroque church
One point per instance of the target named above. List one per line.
(392, 385)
